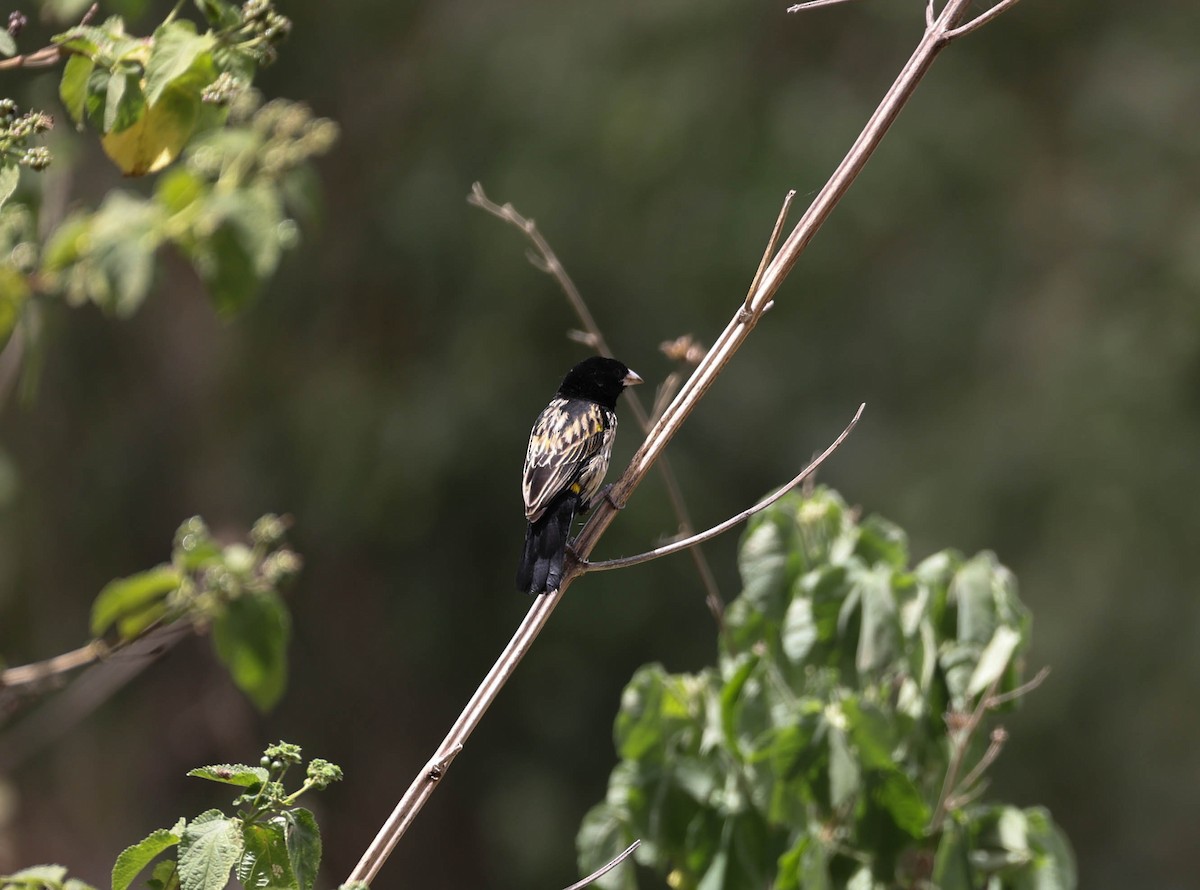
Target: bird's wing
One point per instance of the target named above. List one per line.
(565, 441)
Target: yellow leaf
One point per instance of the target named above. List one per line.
(157, 137)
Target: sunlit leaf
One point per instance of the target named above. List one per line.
(132, 594)
(157, 137)
(210, 846)
(177, 48)
(133, 859)
(72, 89)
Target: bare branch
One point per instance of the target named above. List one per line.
(41, 671)
(980, 20)
(605, 869)
(814, 4)
(769, 253)
(47, 55)
(930, 14)
(995, 746)
(1023, 689)
(545, 259)
(676, 546)
(661, 433)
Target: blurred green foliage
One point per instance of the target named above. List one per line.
(827, 747)
(1010, 286)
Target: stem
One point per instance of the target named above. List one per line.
(745, 318)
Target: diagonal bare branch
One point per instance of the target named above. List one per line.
(721, 528)
(714, 362)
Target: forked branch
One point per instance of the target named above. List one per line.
(721, 528)
(935, 38)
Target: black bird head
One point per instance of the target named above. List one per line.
(598, 379)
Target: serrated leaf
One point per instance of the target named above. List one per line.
(47, 874)
(73, 87)
(232, 774)
(133, 859)
(177, 48)
(994, 659)
(264, 864)
(8, 46)
(250, 638)
(10, 175)
(303, 845)
(210, 846)
(132, 594)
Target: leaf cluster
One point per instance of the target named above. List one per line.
(235, 589)
(184, 93)
(267, 843)
(815, 753)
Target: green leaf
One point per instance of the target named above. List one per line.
(896, 793)
(124, 102)
(133, 859)
(165, 876)
(130, 595)
(232, 774)
(653, 706)
(879, 634)
(219, 13)
(158, 136)
(8, 46)
(303, 846)
(210, 846)
(10, 175)
(177, 48)
(994, 659)
(73, 87)
(951, 865)
(1053, 867)
(799, 632)
(844, 777)
(251, 638)
(264, 864)
(45, 874)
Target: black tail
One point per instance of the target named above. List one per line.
(545, 550)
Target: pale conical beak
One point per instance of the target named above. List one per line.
(631, 379)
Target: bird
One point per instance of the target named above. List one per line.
(569, 449)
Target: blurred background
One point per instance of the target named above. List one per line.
(1010, 286)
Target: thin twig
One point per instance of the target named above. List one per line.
(980, 20)
(1023, 689)
(47, 55)
(546, 260)
(930, 14)
(40, 671)
(676, 546)
(710, 367)
(814, 4)
(995, 746)
(773, 241)
(605, 869)
(959, 742)
(84, 695)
